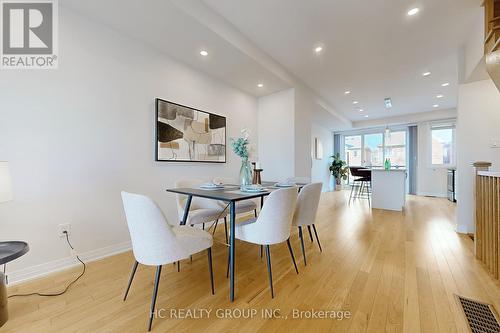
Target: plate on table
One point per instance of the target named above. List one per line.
(253, 189)
(211, 186)
(285, 184)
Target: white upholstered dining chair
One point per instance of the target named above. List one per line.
(157, 243)
(201, 210)
(272, 226)
(241, 207)
(305, 212)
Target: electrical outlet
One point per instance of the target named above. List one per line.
(64, 227)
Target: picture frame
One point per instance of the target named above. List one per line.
(187, 134)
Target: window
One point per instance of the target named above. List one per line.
(374, 149)
(395, 148)
(353, 150)
(442, 145)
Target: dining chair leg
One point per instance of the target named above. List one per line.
(153, 300)
(301, 236)
(352, 190)
(310, 233)
(210, 270)
(215, 227)
(134, 268)
(255, 212)
(178, 266)
(203, 226)
(261, 251)
(291, 254)
(225, 227)
(317, 239)
(269, 270)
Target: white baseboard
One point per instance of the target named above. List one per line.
(430, 194)
(40, 270)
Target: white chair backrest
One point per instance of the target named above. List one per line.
(153, 240)
(275, 219)
(301, 180)
(196, 203)
(225, 180)
(307, 204)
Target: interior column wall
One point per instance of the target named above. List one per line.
(477, 126)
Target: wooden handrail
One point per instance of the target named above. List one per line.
(487, 218)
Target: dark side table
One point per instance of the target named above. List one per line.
(8, 251)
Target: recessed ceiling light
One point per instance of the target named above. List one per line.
(361, 110)
(445, 84)
(355, 102)
(260, 85)
(435, 106)
(318, 49)
(426, 73)
(204, 53)
(439, 96)
(347, 92)
(413, 11)
(366, 116)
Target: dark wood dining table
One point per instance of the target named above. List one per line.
(230, 194)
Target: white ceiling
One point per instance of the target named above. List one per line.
(370, 47)
(164, 26)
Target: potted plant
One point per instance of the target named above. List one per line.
(339, 169)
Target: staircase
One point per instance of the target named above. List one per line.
(492, 41)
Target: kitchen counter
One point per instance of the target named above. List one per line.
(389, 189)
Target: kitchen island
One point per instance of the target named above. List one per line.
(389, 189)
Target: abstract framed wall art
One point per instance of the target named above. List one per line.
(185, 134)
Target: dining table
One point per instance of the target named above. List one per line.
(230, 193)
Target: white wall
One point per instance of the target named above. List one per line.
(478, 123)
(276, 125)
(319, 170)
(75, 137)
(304, 105)
(431, 180)
(284, 122)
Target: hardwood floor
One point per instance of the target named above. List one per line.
(393, 272)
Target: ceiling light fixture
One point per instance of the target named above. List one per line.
(388, 103)
(260, 85)
(435, 106)
(413, 11)
(445, 84)
(361, 110)
(318, 49)
(366, 116)
(347, 92)
(204, 53)
(439, 96)
(426, 73)
(355, 102)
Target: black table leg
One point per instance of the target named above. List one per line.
(186, 209)
(261, 202)
(232, 222)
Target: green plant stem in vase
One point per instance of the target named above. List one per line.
(245, 173)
